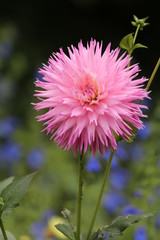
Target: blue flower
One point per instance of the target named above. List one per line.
(48, 214)
(157, 191)
(119, 178)
(35, 158)
(145, 133)
(113, 201)
(137, 193)
(10, 152)
(7, 126)
(158, 163)
(122, 151)
(37, 229)
(130, 210)
(106, 156)
(136, 152)
(38, 76)
(140, 234)
(157, 221)
(104, 235)
(150, 199)
(93, 165)
(147, 102)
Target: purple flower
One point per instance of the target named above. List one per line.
(113, 201)
(137, 193)
(37, 229)
(106, 156)
(136, 152)
(140, 234)
(150, 199)
(7, 126)
(157, 221)
(93, 165)
(10, 152)
(35, 158)
(157, 190)
(159, 163)
(104, 235)
(38, 75)
(145, 133)
(130, 210)
(147, 102)
(122, 152)
(119, 178)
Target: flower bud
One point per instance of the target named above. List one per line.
(140, 22)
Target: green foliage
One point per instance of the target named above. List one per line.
(5, 183)
(118, 226)
(127, 42)
(139, 45)
(57, 184)
(67, 228)
(107, 232)
(13, 192)
(1, 203)
(9, 236)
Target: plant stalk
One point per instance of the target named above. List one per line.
(3, 230)
(134, 40)
(80, 194)
(152, 77)
(136, 33)
(153, 74)
(100, 194)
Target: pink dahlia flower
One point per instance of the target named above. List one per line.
(90, 97)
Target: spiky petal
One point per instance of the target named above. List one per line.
(90, 97)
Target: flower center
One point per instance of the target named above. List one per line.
(86, 89)
(90, 92)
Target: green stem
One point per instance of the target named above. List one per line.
(100, 194)
(134, 40)
(136, 33)
(80, 185)
(152, 77)
(153, 74)
(3, 230)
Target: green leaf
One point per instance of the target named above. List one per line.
(122, 222)
(133, 23)
(127, 42)
(118, 226)
(1, 201)
(1, 205)
(9, 236)
(139, 45)
(66, 229)
(135, 18)
(14, 192)
(66, 214)
(5, 183)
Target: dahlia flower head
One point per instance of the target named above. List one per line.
(90, 97)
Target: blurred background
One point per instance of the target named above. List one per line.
(29, 32)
